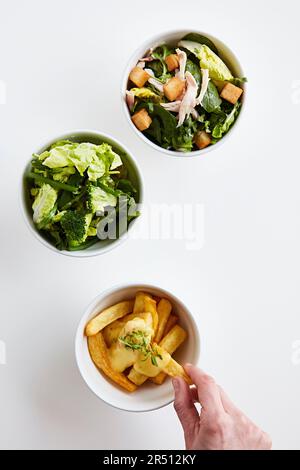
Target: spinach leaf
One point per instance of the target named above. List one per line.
(160, 53)
(202, 40)
(184, 136)
(194, 69)
(166, 120)
(156, 67)
(154, 131)
(211, 100)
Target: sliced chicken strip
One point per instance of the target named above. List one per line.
(195, 113)
(173, 106)
(204, 85)
(148, 57)
(129, 99)
(182, 63)
(154, 81)
(189, 100)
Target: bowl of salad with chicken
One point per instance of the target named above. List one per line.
(183, 92)
(81, 193)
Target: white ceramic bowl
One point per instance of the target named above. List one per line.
(150, 396)
(172, 37)
(84, 135)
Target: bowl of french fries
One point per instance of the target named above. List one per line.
(131, 341)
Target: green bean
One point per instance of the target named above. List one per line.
(54, 184)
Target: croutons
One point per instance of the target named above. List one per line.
(202, 139)
(173, 88)
(172, 62)
(231, 93)
(138, 76)
(141, 119)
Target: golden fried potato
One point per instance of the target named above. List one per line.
(111, 332)
(108, 316)
(99, 355)
(137, 378)
(145, 303)
(173, 319)
(164, 309)
(176, 336)
(170, 343)
(173, 369)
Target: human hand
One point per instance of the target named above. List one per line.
(220, 425)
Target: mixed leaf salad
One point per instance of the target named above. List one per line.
(184, 98)
(77, 191)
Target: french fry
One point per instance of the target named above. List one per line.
(164, 309)
(170, 343)
(176, 336)
(99, 355)
(150, 306)
(111, 332)
(159, 379)
(173, 319)
(173, 369)
(136, 377)
(145, 303)
(108, 316)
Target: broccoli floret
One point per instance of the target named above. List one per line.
(44, 205)
(75, 225)
(98, 199)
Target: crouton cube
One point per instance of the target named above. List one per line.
(173, 88)
(138, 76)
(231, 93)
(202, 139)
(141, 119)
(172, 62)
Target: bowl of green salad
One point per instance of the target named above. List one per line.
(81, 193)
(183, 92)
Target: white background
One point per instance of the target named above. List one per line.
(62, 62)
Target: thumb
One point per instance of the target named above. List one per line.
(185, 408)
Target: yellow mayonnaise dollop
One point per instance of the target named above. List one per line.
(146, 367)
(122, 357)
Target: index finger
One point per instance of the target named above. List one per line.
(207, 389)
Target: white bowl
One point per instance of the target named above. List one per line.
(84, 135)
(149, 396)
(172, 37)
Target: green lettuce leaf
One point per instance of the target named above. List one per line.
(82, 156)
(58, 157)
(43, 204)
(223, 126)
(218, 70)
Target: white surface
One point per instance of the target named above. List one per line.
(62, 64)
(149, 397)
